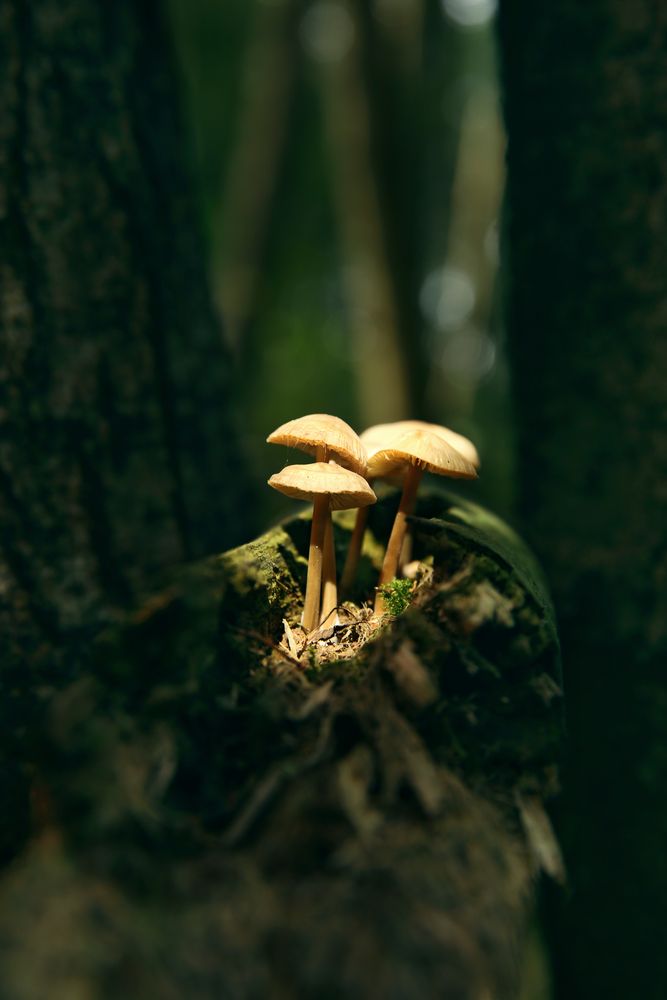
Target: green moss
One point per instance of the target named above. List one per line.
(397, 596)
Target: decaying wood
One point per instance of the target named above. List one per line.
(231, 819)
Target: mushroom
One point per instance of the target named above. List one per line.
(325, 437)
(414, 452)
(329, 487)
(375, 439)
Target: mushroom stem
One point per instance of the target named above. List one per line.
(406, 550)
(311, 604)
(354, 551)
(329, 588)
(395, 543)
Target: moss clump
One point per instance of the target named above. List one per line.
(397, 596)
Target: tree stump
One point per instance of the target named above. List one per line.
(221, 815)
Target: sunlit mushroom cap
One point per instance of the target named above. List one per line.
(344, 488)
(424, 448)
(380, 435)
(377, 438)
(321, 430)
(463, 445)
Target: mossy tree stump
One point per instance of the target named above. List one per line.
(218, 820)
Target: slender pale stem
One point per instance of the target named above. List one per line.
(406, 550)
(395, 543)
(329, 588)
(311, 606)
(354, 551)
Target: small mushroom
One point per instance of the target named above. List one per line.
(329, 487)
(413, 452)
(326, 437)
(375, 439)
(463, 445)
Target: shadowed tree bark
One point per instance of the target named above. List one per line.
(586, 95)
(117, 458)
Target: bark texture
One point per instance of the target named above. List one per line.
(116, 454)
(586, 99)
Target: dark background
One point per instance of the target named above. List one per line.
(350, 165)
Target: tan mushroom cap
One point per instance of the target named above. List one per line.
(423, 448)
(344, 488)
(322, 430)
(379, 436)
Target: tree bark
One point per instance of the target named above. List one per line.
(585, 100)
(116, 450)
(117, 457)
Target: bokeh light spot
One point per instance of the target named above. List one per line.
(447, 297)
(470, 13)
(327, 31)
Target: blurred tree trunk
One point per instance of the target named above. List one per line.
(586, 95)
(117, 458)
(411, 58)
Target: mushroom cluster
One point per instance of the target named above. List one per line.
(339, 479)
